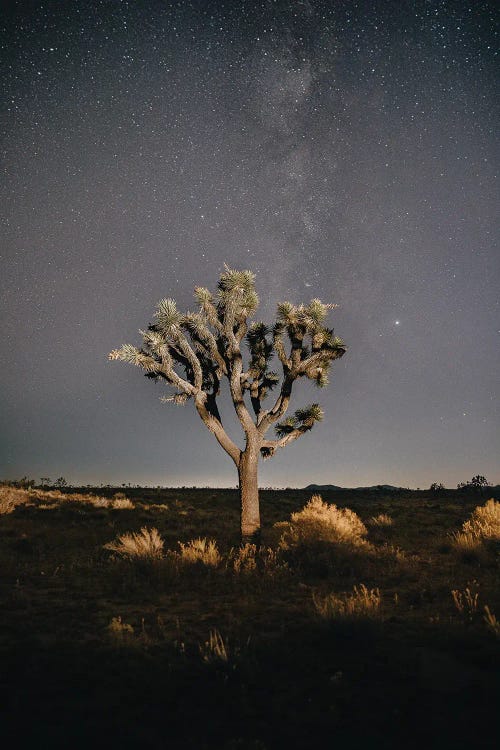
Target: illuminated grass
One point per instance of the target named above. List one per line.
(485, 521)
(203, 551)
(11, 497)
(491, 621)
(361, 603)
(320, 522)
(466, 541)
(383, 519)
(482, 526)
(146, 545)
(248, 560)
(216, 649)
(465, 601)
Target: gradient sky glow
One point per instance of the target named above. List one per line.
(341, 150)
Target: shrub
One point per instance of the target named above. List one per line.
(202, 551)
(361, 603)
(146, 545)
(320, 522)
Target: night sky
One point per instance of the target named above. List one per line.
(340, 150)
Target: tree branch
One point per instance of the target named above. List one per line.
(167, 368)
(269, 447)
(199, 331)
(182, 342)
(281, 405)
(235, 372)
(216, 428)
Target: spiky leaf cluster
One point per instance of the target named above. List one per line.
(236, 297)
(168, 316)
(260, 348)
(303, 420)
(314, 346)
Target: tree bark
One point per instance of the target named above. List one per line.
(249, 494)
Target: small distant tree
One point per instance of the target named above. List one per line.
(477, 483)
(195, 351)
(60, 483)
(24, 483)
(436, 487)
(45, 481)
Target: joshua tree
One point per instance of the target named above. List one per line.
(195, 351)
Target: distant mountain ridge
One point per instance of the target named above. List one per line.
(331, 487)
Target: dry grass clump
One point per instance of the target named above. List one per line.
(485, 521)
(466, 541)
(361, 603)
(466, 601)
(96, 502)
(243, 560)
(145, 545)
(383, 519)
(320, 522)
(156, 507)
(491, 621)
(122, 503)
(216, 649)
(120, 633)
(202, 551)
(219, 652)
(483, 525)
(11, 497)
(248, 560)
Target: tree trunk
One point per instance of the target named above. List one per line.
(249, 495)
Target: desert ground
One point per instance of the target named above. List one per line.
(131, 618)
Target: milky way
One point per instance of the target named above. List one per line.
(341, 150)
